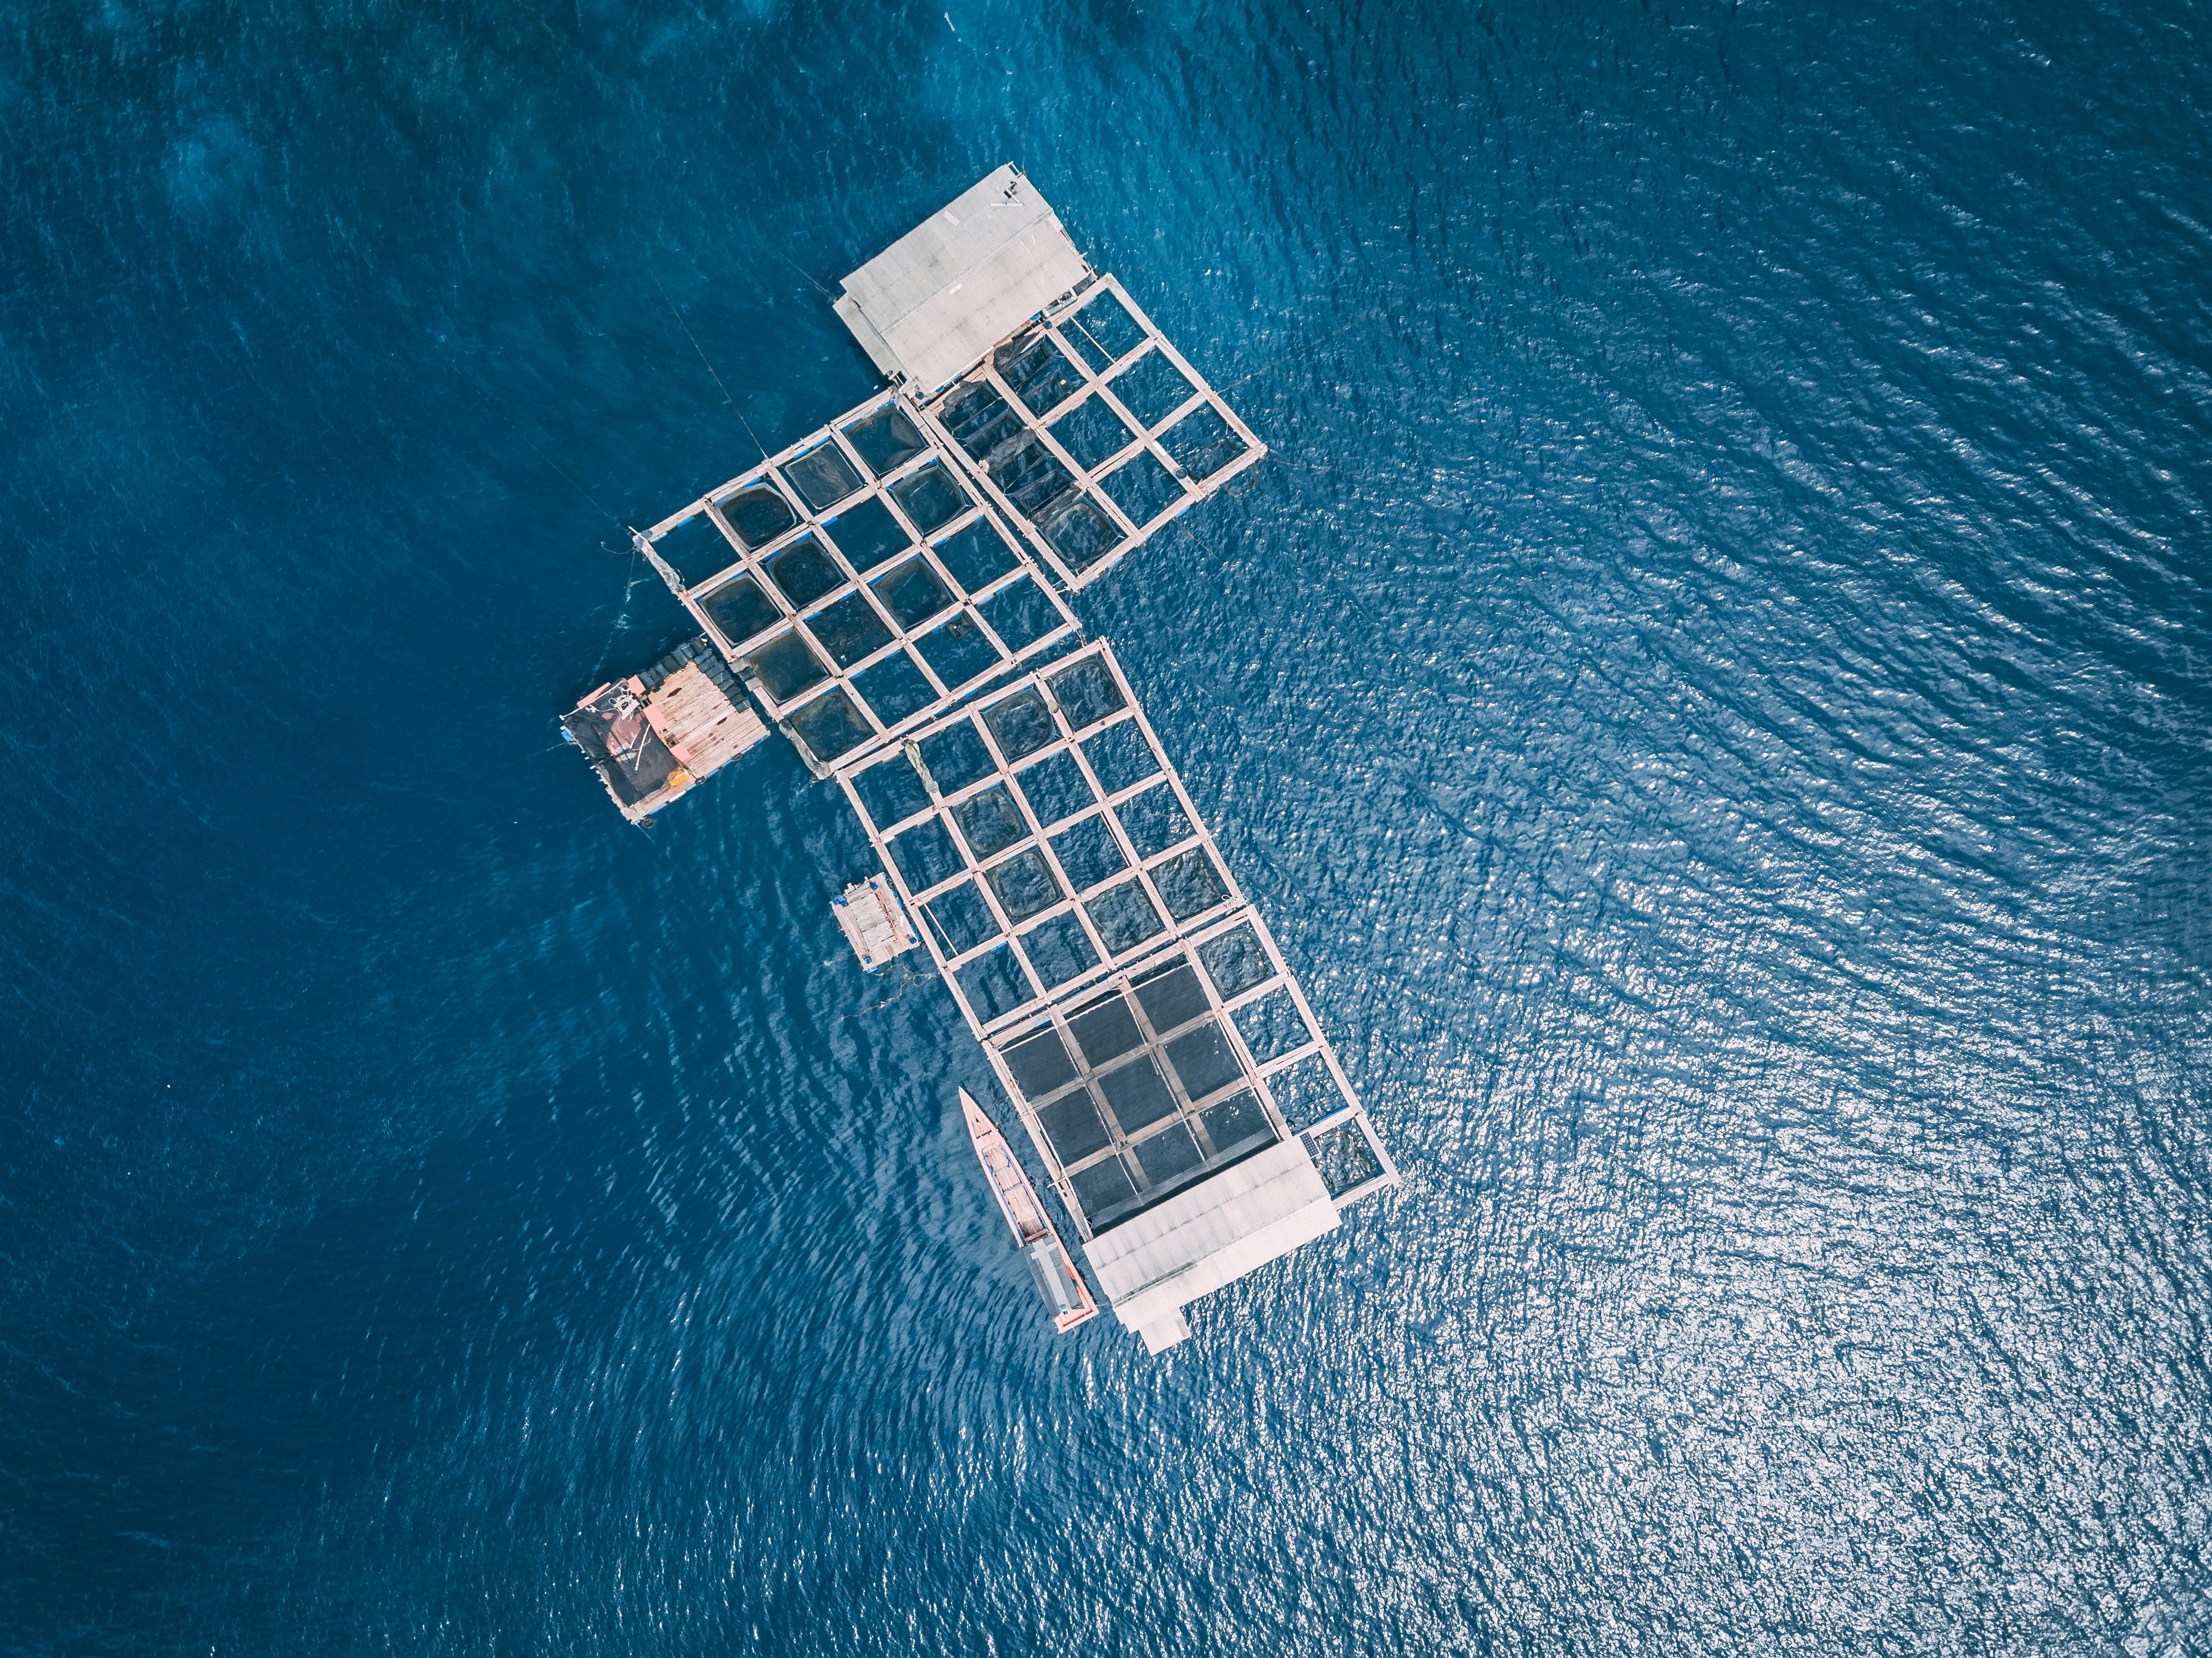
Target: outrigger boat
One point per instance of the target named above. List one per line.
(1050, 1268)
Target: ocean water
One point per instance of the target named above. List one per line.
(1713, 689)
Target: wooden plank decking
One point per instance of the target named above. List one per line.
(700, 724)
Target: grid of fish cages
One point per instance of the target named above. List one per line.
(1091, 431)
(892, 590)
(856, 582)
(1132, 1002)
(1040, 836)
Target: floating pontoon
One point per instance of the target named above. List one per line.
(874, 923)
(653, 735)
(891, 591)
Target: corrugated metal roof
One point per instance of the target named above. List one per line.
(934, 301)
(1154, 1266)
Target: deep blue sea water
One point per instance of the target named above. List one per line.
(1713, 690)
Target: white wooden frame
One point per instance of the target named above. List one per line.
(1056, 1004)
(962, 607)
(1056, 327)
(945, 810)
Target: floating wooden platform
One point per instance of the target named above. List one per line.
(869, 916)
(653, 735)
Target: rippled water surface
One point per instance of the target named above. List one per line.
(1713, 689)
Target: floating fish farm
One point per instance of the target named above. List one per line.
(891, 594)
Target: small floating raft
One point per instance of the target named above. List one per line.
(873, 922)
(1062, 1287)
(653, 735)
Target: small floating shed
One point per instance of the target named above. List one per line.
(653, 735)
(936, 301)
(891, 591)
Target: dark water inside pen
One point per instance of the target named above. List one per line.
(1713, 691)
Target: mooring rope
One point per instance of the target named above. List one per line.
(1311, 345)
(802, 271)
(696, 346)
(485, 399)
(621, 616)
(912, 979)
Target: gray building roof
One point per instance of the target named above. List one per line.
(934, 301)
(1151, 1267)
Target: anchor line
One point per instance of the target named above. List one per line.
(912, 979)
(1311, 345)
(621, 616)
(703, 358)
(808, 277)
(558, 469)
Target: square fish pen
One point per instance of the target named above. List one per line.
(1093, 432)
